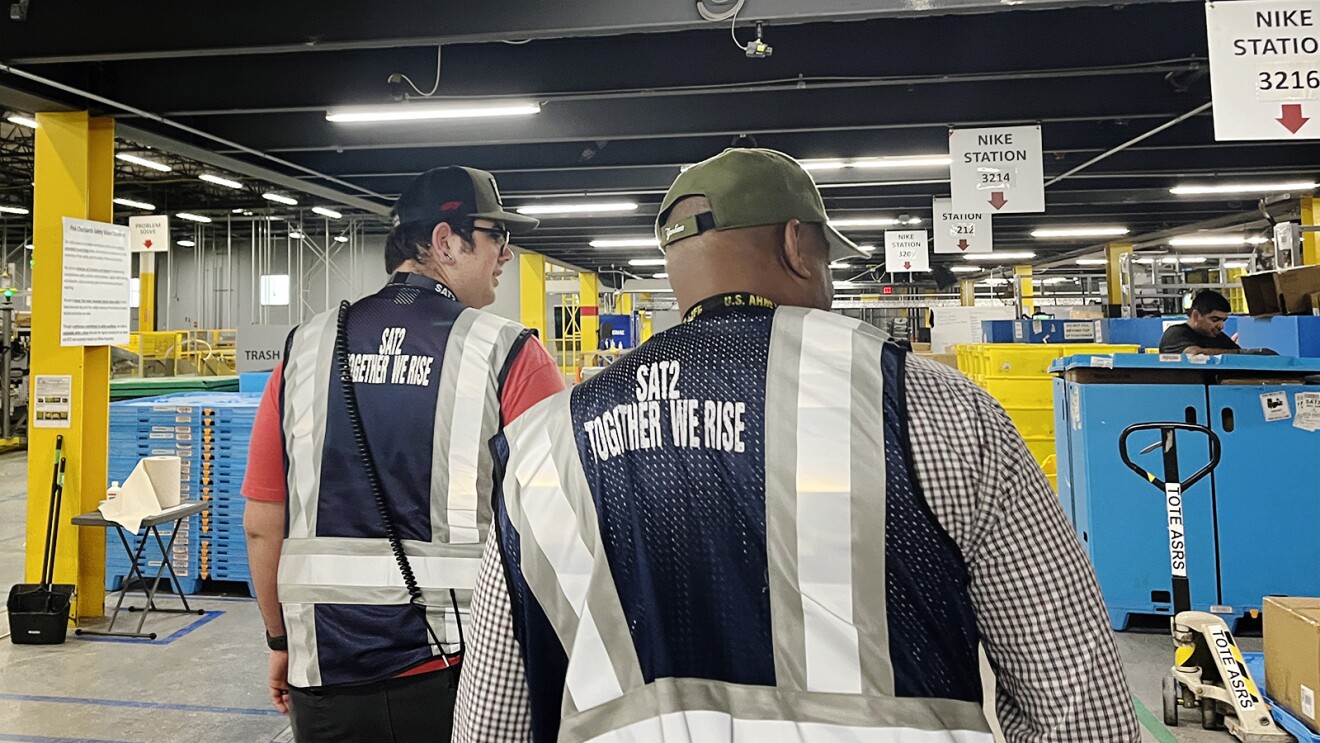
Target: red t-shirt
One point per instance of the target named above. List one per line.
(533, 377)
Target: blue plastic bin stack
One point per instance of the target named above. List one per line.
(147, 428)
(225, 432)
(210, 433)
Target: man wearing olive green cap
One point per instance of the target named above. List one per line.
(771, 524)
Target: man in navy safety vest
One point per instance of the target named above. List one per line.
(358, 654)
(771, 524)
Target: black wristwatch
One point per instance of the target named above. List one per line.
(277, 643)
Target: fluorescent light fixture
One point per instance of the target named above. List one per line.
(1183, 259)
(843, 224)
(873, 163)
(1235, 264)
(1057, 280)
(822, 165)
(324, 212)
(193, 217)
(186, 243)
(279, 198)
(136, 204)
(966, 269)
(296, 235)
(144, 162)
(1214, 241)
(659, 275)
(341, 239)
(1092, 262)
(1192, 190)
(28, 246)
(1007, 255)
(13, 210)
(217, 180)
(22, 121)
(868, 249)
(236, 211)
(647, 262)
(1066, 232)
(918, 161)
(553, 210)
(845, 285)
(992, 281)
(625, 242)
(838, 266)
(431, 112)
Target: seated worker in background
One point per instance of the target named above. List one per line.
(1203, 332)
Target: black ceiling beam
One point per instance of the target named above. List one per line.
(78, 30)
(805, 110)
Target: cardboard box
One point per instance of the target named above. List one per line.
(1292, 655)
(1288, 292)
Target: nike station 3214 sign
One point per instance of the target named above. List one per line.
(997, 170)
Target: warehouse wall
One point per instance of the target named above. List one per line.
(215, 285)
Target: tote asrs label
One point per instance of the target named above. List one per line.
(1177, 529)
(1236, 679)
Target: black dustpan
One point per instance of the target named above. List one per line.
(39, 613)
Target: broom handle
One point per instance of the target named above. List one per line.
(58, 497)
(48, 556)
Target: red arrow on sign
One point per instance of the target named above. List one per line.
(907, 264)
(1292, 118)
(962, 244)
(146, 244)
(997, 200)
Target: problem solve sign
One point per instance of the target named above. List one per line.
(1000, 167)
(1265, 68)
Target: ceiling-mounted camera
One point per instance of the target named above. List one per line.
(757, 48)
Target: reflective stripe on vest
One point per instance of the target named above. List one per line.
(341, 570)
(825, 523)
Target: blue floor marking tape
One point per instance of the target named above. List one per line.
(47, 739)
(201, 621)
(272, 712)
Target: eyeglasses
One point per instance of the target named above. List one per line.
(500, 234)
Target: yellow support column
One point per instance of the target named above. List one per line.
(589, 292)
(967, 292)
(146, 292)
(531, 290)
(1310, 240)
(648, 316)
(1026, 290)
(74, 178)
(1114, 253)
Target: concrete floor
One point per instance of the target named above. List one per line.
(204, 679)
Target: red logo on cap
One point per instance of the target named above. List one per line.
(451, 206)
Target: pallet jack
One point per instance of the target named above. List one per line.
(1208, 671)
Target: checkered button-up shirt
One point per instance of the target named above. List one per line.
(1038, 606)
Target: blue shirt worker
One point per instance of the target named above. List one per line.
(770, 523)
(370, 478)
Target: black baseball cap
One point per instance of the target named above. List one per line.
(454, 193)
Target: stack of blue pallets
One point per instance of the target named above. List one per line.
(209, 432)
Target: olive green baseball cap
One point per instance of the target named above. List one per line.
(748, 187)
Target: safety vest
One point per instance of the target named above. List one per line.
(427, 375)
(720, 538)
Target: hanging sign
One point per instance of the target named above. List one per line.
(907, 250)
(1001, 167)
(961, 232)
(150, 234)
(1264, 68)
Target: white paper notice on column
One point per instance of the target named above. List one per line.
(907, 250)
(97, 272)
(150, 234)
(961, 232)
(1001, 167)
(1265, 68)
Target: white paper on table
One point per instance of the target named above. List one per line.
(152, 487)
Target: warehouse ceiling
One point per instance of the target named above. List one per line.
(630, 92)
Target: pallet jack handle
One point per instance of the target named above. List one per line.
(1167, 433)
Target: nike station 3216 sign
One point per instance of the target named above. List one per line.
(1265, 68)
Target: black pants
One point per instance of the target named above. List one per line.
(402, 710)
